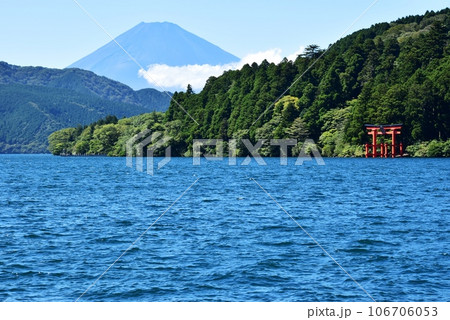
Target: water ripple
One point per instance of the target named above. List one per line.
(65, 220)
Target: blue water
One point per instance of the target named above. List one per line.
(63, 221)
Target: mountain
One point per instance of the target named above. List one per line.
(151, 43)
(84, 82)
(396, 72)
(35, 101)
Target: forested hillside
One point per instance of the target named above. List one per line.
(84, 82)
(36, 101)
(30, 113)
(395, 72)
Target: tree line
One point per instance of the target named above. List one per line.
(395, 72)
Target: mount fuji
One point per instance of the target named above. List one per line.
(153, 43)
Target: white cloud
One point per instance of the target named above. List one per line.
(271, 55)
(169, 77)
(177, 78)
(294, 55)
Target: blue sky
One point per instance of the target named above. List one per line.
(55, 33)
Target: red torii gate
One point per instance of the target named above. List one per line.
(374, 131)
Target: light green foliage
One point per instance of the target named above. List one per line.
(105, 137)
(297, 130)
(332, 138)
(433, 149)
(62, 141)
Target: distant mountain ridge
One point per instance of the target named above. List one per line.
(151, 43)
(84, 82)
(35, 101)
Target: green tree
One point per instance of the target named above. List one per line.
(104, 138)
(61, 141)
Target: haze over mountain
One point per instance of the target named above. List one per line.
(156, 43)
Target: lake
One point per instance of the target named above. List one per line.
(65, 220)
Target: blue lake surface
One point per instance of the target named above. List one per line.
(64, 221)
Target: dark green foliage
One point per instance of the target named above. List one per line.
(390, 73)
(395, 72)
